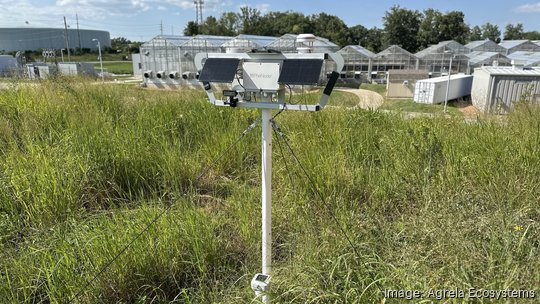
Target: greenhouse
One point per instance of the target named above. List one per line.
(168, 60)
(436, 59)
(513, 46)
(358, 62)
(394, 58)
(287, 44)
(168, 55)
(248, 42)
(485, 46)
(528, 59)
(479, 59)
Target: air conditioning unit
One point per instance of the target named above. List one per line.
(160, 74)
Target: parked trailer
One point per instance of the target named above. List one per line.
(433, 90)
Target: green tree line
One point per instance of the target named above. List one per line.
(411, 29)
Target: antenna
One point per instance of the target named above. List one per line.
(263, 77)
(198, 11)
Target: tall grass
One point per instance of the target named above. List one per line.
(428, 203)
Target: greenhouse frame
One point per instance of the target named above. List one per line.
(513, 46)
(479, 59)
(393, 58)
(485, 46)
(173, 55)
(358, 63)
(436, 58)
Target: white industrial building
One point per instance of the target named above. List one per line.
(495, 89)
(32, 39)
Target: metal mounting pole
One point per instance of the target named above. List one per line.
(448, 84)
(266, 195)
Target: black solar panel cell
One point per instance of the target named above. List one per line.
(300, 71)
(219, 70)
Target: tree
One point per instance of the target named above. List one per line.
(514, 32)
(331, 27)
(533, 35)
(119, 43)
(279, 23)
(229, 24)
(250, 20)
(428, 32)
(210, 26)
(491, 32)
(475, 34)
(374, 40)
(358, 35)
(191, 29)
(401, 27)
(452, 26)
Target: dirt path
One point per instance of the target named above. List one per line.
(368, 100)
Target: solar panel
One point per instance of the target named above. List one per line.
(300, 71)
(219, 70)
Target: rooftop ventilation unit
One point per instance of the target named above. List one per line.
(307, 40)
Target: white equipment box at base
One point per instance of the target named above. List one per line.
(433, 90)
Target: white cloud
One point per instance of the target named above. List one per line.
(262, 7)
(528, 8)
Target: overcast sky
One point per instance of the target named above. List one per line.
(141, 19)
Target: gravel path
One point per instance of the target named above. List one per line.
(368, 100)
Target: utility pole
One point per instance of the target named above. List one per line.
(67, 39)
(78, 32)
(161, 27)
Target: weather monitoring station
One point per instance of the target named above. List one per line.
(259, 79)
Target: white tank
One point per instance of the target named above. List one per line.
(305, 43)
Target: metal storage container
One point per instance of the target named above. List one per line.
(8, 65)
(76, 69)
(433, 90)
(496, 88)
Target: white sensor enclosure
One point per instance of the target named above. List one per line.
(260, 283)
(261, 76)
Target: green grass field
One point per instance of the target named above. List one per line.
(408, 105)
(427, 203)
(116, 67)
